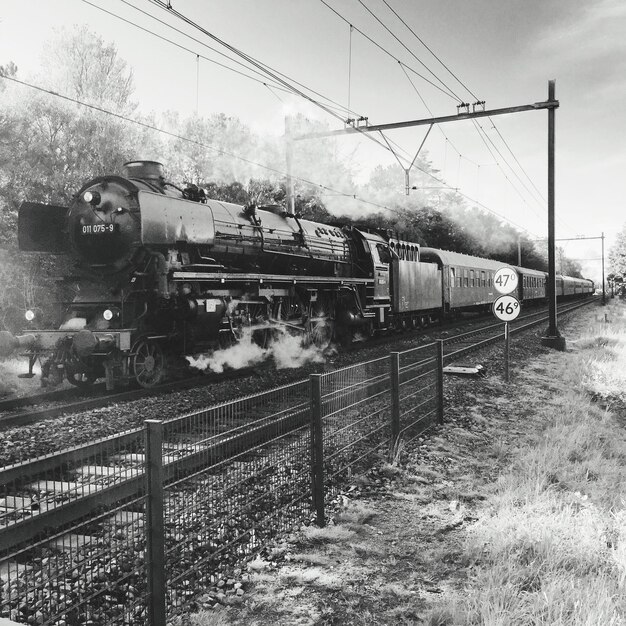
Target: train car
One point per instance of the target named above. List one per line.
(531, 285)
(569, 287)
(416, 285)
(467, 281)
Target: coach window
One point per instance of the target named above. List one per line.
(466, 278)
(483, 280)
(472, 278)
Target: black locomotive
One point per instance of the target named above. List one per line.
(162, 272)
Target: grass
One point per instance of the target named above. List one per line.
(550, 547)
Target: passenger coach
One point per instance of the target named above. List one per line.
(467, 280)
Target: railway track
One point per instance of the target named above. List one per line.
(58, 489)
(51, 404)
(29, 409)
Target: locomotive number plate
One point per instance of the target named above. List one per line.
(98, 229)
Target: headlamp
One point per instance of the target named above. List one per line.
(92, 197)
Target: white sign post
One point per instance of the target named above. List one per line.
(506, 307)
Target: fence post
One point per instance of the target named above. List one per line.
(440, 381)
(317, 449)
(395, 399)
(155, 534)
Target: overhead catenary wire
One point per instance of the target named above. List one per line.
(262, 77)
(429, 50)
(543, 201)
(447, 138)
(266, 69)
(339, 109)
(221, 151)
(286, 88)
(489, 145)
(383, 49)
(180, 46)
(274, 74)
(485, 137)
(446, 87)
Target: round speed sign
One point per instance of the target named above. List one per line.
(505, 280)
(506, 308)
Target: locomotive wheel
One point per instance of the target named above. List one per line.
(259, 314)
(148, 363)
(251, 318)
(287, 318)
(320, 326)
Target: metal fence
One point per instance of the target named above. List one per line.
(128, 530)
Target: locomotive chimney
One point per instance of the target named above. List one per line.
(146, 170)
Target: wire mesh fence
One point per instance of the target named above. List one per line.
(129, 529)
(253, 483)
(93, 572)
(420, 392)
(355, 407)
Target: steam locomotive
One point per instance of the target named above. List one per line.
(162, 271)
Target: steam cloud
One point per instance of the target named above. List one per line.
(287, 351)
(74, 323)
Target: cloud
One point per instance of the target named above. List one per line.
(588, 43)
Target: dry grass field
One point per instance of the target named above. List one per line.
(512, 513)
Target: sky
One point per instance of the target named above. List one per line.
(501, 51)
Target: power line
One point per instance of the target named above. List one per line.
(543, 199)
(328, 107)
(240, 53)
(408, 50)
(518, 163)
(192, 141)
(174, 43)
(262, 74)
(485, 138)
(275, 74)
(429, 50)
(380, 47)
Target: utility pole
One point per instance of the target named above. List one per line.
(603, 289)
(552, 338)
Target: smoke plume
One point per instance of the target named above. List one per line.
(288, 351)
